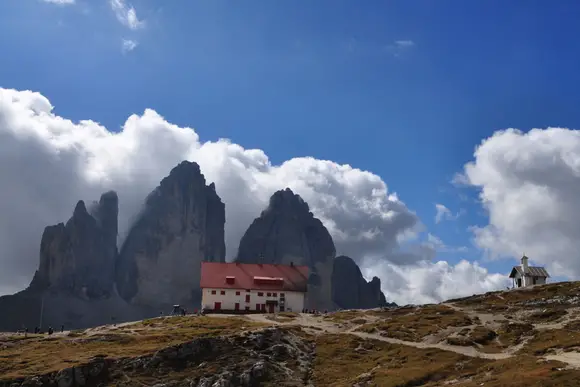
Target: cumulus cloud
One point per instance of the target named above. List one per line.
(439, 246)
(429, 282)
(60, 2)
(126, 14)
(530, 184)
(47, 163)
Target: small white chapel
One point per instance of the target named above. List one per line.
(525, 275)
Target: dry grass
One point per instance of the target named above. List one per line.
(343, 360)
(28, 356)
(493, 341)
(483, 338)
(503, 300)
(413, 324)
(513, 333)
(546, 315)
(344, 315)
(523, 371)
(546, 340)
(283, 317)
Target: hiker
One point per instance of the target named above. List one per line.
(50, 330)
(36, 330)
(62, 328)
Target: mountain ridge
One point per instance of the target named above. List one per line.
(85, 279)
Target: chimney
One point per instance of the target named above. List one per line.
(525, 264)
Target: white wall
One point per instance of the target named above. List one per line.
(293, 300)
(529, 281)
(540, 281)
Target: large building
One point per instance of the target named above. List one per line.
(241, 287)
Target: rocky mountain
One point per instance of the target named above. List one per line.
(181, 225)
(79, 257)
(83, 280)
(358, 293)
(288, 232)
(74, 284)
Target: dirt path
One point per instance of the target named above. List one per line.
(308, 321)
(570, 358)
(466, 351)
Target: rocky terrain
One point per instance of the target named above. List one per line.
(522, 337)
(84, 279)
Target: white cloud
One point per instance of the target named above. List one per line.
(128, 45)
(530, 185)
(444, 213)
(126, 14)
(47, 163)
(439, 246)
(60, 2)
(432, 282)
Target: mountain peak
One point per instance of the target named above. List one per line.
(287, 201)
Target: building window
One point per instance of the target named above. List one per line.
(282, 295)
(275, 294)
(223, 292)
(213, 292)
(237, 293)
(260, 294)
(269, 294)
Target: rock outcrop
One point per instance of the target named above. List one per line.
(287, 232)
(78, 258)
(181, 225)
(267, 357)
(349, 288)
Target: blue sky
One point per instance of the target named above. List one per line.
(405, 89)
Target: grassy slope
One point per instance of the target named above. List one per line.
(532, 323)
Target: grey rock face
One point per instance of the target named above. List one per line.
(79, 257)
(181, 225)
(349, 288)
(288, 232)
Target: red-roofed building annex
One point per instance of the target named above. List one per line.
(255, 287)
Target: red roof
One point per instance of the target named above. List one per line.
(254, 276)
